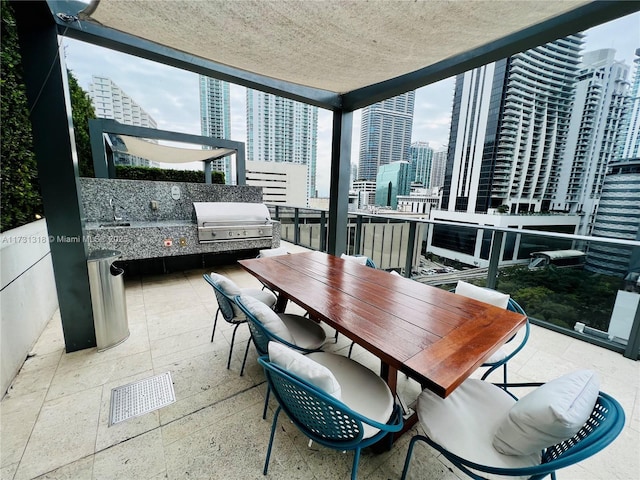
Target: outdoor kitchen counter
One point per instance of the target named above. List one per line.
(164, 238)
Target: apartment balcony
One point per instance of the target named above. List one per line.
(55, 416)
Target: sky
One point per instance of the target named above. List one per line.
(171, 96)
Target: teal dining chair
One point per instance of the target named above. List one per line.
(516, 343)
(295, 331)
(331, 399)
(484, 431)
(225, 290)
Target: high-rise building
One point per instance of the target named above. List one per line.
(421, 163)
(366, 192)
(630, 141)
(354, 175)
(618, 217)
(594, 132)
(438, 166)
(393, 179)
(280, 182)
(509, 129)
(282, 130)
(110, 101)
(385, 134)
(215, 118)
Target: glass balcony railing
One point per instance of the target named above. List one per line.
(590, 299)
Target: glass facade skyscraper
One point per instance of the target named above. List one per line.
(421, 163)
(385, 134)
(630, 141)
(594, 132)
(618, 217)
(282, 130)
(509, 129)
(393, 179)
(110, 101)
(215, 118)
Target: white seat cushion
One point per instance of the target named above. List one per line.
(267, 317)
(305, 368)
(485, 295)
(465, 422)
(362, 390)
(353, 258)
(550, 414)
(304, 332)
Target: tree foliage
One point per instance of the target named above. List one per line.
(81, 111)
(562, 296)
(20, 197)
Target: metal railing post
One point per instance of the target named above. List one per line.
(494, 259)
(356, 246)
(296, 226)
(323, 231)
(633, 345)
(410, 249)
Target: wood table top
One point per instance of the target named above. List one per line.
(434, 336)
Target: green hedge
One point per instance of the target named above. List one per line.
(160, 174)
(21, 201)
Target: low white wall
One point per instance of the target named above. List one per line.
(28, 295)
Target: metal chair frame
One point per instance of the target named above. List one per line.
(321, 417)
(261, 338)
(512, 306)
(225, 307)
(603, 426)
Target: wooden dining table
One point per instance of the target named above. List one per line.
(434, 336)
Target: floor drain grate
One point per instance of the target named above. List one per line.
(141, 397)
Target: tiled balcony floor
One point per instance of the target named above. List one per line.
(55, 416)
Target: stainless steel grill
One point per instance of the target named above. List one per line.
(224, 221)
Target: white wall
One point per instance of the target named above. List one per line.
(28, 296)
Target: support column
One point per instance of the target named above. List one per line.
(339, 190)
(207, 172)
(241, 166)
(54, 145)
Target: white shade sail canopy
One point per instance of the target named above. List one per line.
(337, 46)
(165, 153)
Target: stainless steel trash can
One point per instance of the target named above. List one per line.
(106, 282)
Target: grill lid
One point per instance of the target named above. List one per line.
(213, 214)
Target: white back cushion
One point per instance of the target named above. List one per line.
(482, 294)
(360, 260)
(305, 368)
(227, 285)
(267, 317)
(550, 414)
(273, 252)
